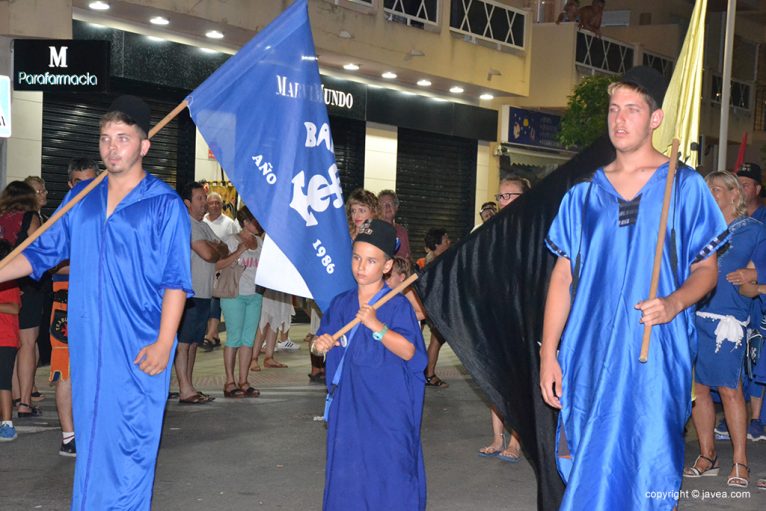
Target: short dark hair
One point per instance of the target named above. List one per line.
(434, 237)
(80, 164)
(245, 215)
(117, 116)
(188, 190)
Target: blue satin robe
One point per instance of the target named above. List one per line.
(374, 454)
(624, 420)
(119, 269)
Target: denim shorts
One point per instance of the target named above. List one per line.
(194, 321)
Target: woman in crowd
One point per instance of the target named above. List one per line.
(722, 320)
(18, 220)
(243, 311)
(361, 205)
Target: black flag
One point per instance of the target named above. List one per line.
(486, 297)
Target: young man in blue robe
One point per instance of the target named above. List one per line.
(620, 438)
(128, 246)
(374, 455)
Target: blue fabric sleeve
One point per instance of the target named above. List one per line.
(566, 227)
(759, 254)
(703, 228)
(53, 245)
(175, 233)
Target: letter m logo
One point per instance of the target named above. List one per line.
(58, 56)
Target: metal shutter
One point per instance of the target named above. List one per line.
(348, 136)
(436, 184)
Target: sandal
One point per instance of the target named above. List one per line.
(435, 381)
(737, 481)
(207, 345)
(712, 470)
(231, 390)
(248, 390)
(209, 398)
(273, 364)
(761, 484)
(34, 411)
(318, 378)
(196, 399)
(490, 451)
(509, 457)
(36, 396)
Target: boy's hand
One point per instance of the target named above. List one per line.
(368, 318)
(153, 359)
(323, 344)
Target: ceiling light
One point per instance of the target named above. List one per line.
(486, 97)
(159, 20)
(207, 50)
(99, 6)
(439, 100)
(214, 34)
(155, 39)
(407, 93)
(456, 90)
(351, 67)
(388, 75)
(424, 83)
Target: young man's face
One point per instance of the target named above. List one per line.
(486, 214)
(81, 175)
(121, 147)
(214, 207)
(629, 121)
(750, 189)
(368, 263)
(198, 205)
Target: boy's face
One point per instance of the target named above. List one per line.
(368, 263)
(395, 279)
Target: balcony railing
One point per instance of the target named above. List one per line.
(740, 93)
(603, 54)
(759, 117)
(662, 64)
(490, 22)
(415, 13)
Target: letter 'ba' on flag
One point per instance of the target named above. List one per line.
(263, 115)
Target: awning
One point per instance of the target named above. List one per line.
(537, 158)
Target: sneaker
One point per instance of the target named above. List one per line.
(287, 345)
(721, 431)
(69, 450)
(756, 431)
(7, 433)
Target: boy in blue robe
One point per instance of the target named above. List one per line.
(128, 246)
(620, 438)
(374, 455)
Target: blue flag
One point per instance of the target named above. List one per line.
(263, 115)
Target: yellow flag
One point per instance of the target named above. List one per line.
(682, 100)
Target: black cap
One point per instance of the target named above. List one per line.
(379, 233)
(751, 170)
(648, 80)
(489, 205)
(135, 108)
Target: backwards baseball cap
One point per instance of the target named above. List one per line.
(135, 108)
(648, 80)
(751, 170)
(379, 233)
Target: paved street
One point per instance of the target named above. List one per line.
(268, 453)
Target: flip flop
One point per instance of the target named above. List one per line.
(493, 454)
(273, 364)
(248, 390)
(196, 399)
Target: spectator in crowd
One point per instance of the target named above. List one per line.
(437, 242)
(244, 310)
(10, 303)
(591, 15)
(569, 14)
(389, 206)
(400, 271)
(749, 176)
(19, 219)
(79, 169)
(276, 317)
(317, 374)
(222, 226)
(487, 211)
(361, 205)
(720, 353)
(206, 250)
(510, 189)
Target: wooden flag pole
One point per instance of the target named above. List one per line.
(85, 191)
(660, 244)
(351, 324)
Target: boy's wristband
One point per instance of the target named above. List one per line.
(378, 336)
